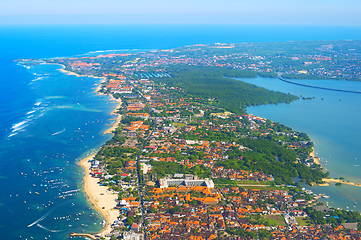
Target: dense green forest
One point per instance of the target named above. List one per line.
(271, 158)
(164, 168)
(333, 216)
(214, 82)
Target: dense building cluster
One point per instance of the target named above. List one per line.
(315, 60)
(186, 168)
(173, 182)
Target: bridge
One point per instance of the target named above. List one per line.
(311, 86)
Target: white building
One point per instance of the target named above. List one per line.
(166, 182)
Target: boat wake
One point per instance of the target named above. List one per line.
(47, 229)
(41, 218)
(56, 133)
(45, 215)
(37, 79)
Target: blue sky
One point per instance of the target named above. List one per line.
(300, 12)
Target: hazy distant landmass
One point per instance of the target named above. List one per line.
(339, 59)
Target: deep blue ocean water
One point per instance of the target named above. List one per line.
(49, 119)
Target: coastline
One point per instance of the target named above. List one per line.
(114, 112)
(118, 116)
(75, 74)
(331, 180)
(94, 197)
(118, 101)
(316, 160)
(99, 197)
(71, 73)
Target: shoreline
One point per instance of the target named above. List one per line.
(75, 74)
(93, 198)
(71, 73)
(331, 180)
(118, 101)
(316, 160)
(118, 118)
(99, 197)
(102, 200)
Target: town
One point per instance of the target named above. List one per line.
(188, 166)
(313, 60)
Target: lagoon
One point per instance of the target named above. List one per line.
(332, 120)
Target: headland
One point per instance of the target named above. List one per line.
(188, 128)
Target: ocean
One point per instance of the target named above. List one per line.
(49, 120)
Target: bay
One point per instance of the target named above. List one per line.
(331, 119)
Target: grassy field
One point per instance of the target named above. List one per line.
(254, 183)
(302, 221)
(221, 182)
(178, 125)
(266, 187)
(275, 220)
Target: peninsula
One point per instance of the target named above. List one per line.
(187, 161)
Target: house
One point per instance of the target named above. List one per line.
(95, 164)
(134, 227)
(123, 203)
(124, 175)
(210, 200)
(98, 174)
(299, 213)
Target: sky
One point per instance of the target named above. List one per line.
(297, 12)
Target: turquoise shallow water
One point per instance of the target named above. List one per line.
(333, 125)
